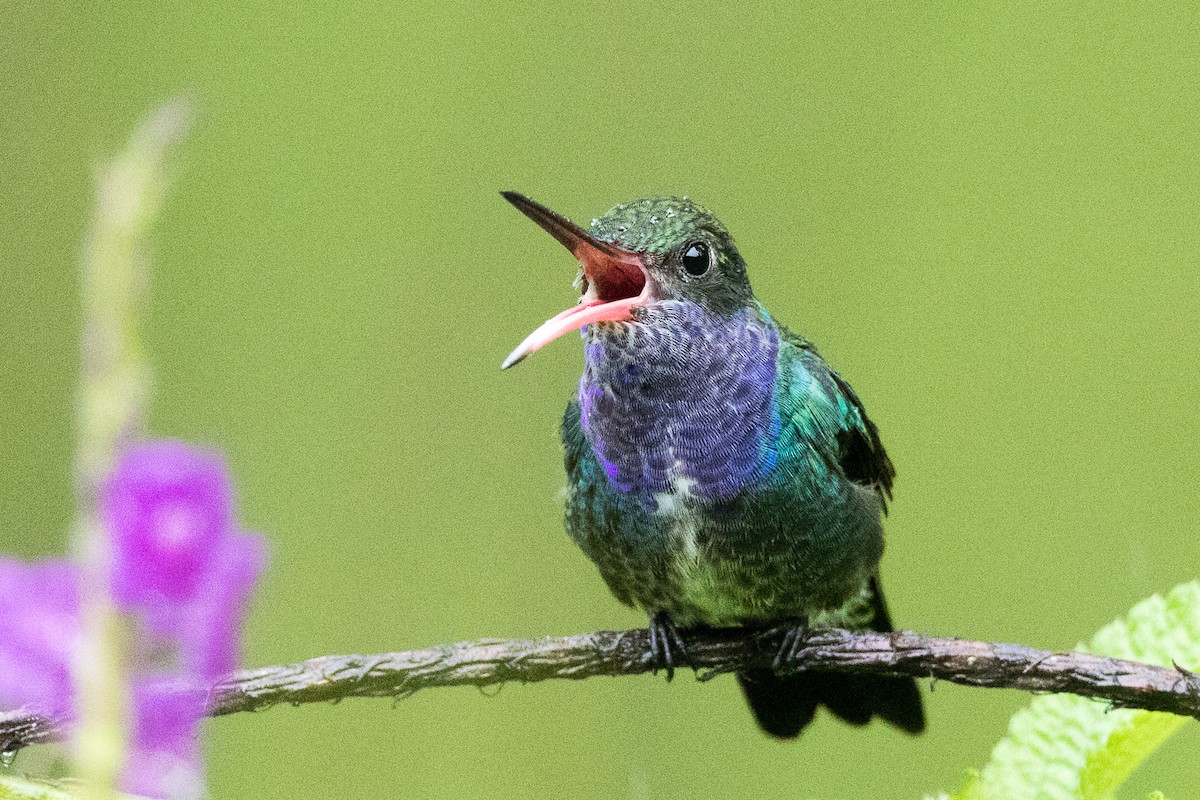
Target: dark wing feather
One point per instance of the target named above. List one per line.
(863, 458)
(860, 455)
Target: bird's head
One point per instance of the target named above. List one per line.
(653, 251)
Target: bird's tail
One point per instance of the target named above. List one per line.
(784, 704)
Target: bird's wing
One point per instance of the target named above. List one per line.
(824, 409)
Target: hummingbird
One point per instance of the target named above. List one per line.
(720, 472)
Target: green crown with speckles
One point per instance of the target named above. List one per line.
(656, 224)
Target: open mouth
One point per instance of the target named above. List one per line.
(614, 279)
(619, 280)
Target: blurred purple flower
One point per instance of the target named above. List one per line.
(204, 631)
(39, 629)
(177, 558)
(168, 508)
(180, 571)
(164, 754)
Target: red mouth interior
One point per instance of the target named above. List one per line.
(611, 278)
(617, 281)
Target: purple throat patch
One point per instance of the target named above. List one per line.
(681, 402)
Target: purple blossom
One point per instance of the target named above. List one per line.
(204, 632)
(168, 508)
(180, 571)
(39, 630)
(164, 754)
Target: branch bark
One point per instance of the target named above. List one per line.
(1120, 683)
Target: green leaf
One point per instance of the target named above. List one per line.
(1127, 747)
(1065, 747)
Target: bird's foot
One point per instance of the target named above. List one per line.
(667, 648)
(794, 641)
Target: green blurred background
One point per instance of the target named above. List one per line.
(987, 218)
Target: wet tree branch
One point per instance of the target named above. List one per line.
(1120, 683)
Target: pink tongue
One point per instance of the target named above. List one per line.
(571, 320)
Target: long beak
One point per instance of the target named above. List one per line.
(616, 279)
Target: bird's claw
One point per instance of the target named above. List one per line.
(794, 641)
(667, 648)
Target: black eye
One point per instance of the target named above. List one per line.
(695, 258)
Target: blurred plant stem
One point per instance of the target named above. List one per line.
(14, 788)
(113, 397)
